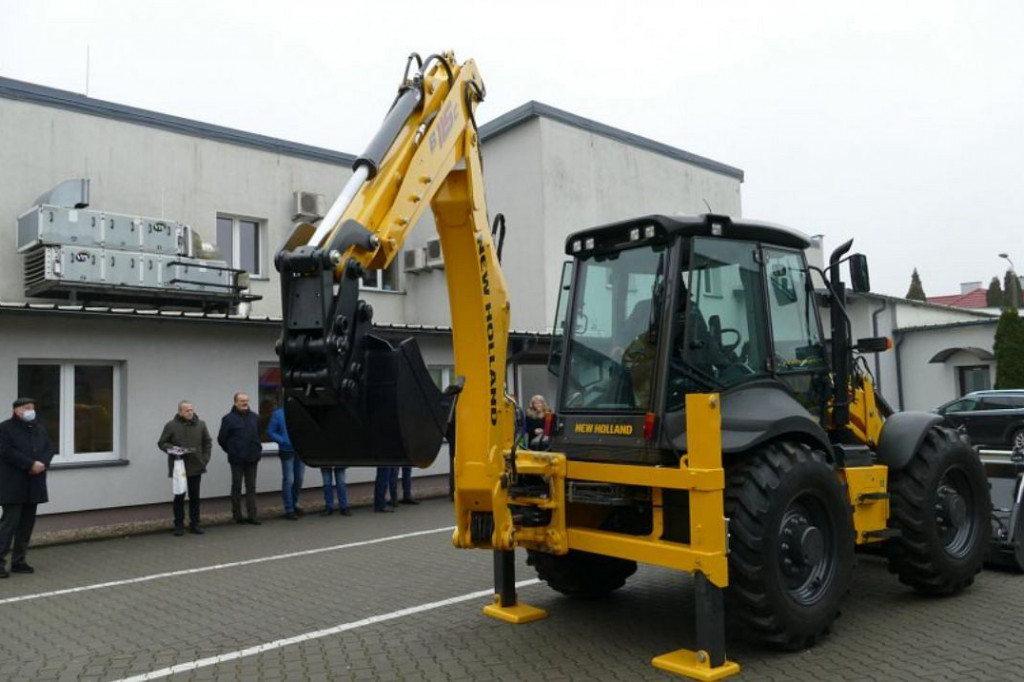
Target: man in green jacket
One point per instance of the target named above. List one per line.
(187, 438)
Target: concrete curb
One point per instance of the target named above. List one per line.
(425, 489)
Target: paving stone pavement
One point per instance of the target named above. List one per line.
(886, 631)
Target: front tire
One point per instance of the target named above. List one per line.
(791, 544)
(942, 508)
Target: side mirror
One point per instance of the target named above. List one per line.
(859, 277)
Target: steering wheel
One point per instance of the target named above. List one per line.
(730, 347)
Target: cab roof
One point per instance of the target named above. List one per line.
(705, 225)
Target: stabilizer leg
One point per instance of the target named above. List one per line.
(708, 662)
(506, 604)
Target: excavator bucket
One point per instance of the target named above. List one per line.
(398, 418)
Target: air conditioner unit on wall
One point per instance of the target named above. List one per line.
(308, 206)
(413, 260)
(434, 258)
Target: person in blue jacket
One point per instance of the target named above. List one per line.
(292, 468)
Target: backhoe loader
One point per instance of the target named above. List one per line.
(704, 422)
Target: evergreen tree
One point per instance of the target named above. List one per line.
(1011, 290)
(994, 296)
(1009, 350)
(916, 291)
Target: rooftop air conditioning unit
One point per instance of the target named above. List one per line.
(433, 255)
(413, 260)
(308, 207)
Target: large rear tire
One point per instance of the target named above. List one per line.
(942, 507)
(581, 574)
(791, 544)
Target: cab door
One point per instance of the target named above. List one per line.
(798, 354)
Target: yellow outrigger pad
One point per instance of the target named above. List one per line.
(694, 664)
(518, 614)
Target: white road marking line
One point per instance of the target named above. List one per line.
(316, 634)
(218, 567)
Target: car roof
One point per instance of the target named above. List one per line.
(993, 392)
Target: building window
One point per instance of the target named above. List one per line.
(240, 241)
(974, 378)
(79, 404)
(442, 375)
(381, 280)
(269, 398)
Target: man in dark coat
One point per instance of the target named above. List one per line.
(239, 436)
(25, 453)
(186, 437)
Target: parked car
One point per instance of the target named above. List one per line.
(993, 419)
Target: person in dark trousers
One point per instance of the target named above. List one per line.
(239, 436)
(292, 468)
(406, 487)
(186, 436)
(334, 481)
(386, 481)
(25, 454)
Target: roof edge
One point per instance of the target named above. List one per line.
(72, 101)
(976, 312)
(947, 325)
(534, 109)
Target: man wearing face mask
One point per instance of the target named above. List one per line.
(25, 454)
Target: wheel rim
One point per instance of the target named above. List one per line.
(954, 513)
(807, 549)
(1018, 440)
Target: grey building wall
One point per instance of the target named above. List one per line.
(550, 173)
(550, 179)
(143, 170)
(926, 385)
(161, 362)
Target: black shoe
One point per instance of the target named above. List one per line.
(327, 512)
(178, 531)
(240, 520)
(196, 530)
(4, 573)
(410, 501)
(291, 516)
(22, 568)
(299, 511)
(385, 510)
(392, 504)
(345, 512)
(254, 522)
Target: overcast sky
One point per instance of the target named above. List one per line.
(900, 124)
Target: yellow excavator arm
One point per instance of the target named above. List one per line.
(351, 397)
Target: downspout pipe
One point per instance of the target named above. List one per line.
(874, 332)
(897, 342)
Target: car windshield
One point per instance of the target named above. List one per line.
(613, 332)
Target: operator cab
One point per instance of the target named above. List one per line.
(661, 307)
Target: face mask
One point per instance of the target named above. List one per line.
(29, 415)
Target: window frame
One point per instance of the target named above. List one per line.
(380, 272)
(268, 445)
(961, 375)
(234, 258)
(66, 410)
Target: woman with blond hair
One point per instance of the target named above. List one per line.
(536, 417)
